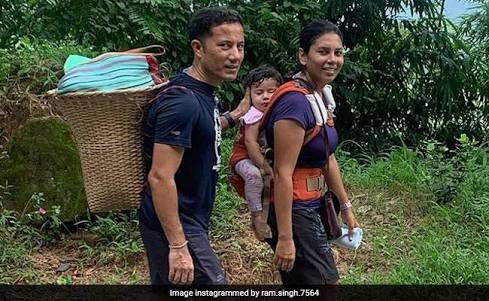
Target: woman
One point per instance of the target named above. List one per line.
(302, 252)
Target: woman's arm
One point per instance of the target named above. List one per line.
(335, 184)
(288, 139)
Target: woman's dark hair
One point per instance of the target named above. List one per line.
(205, 19)
(313, 30)
(259, 74)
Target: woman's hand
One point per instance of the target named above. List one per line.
(284, 255)
(349, 219)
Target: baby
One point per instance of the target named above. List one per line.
(247, 159)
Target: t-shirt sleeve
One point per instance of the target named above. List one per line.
(295, 106)
(176, 115)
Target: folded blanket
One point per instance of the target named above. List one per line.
(109, 73)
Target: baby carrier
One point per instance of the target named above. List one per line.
(312, 182)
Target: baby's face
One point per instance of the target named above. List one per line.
(262, 92)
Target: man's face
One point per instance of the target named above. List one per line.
(222, 53)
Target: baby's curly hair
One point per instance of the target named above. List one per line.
(259, 74)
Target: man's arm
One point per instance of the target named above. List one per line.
(161, 178)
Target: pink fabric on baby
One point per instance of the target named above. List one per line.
(252, 116)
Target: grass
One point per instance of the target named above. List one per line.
(424, 213)
(413, 235)
(227, 202)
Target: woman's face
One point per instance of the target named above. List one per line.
(324, 60)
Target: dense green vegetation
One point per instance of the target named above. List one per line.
(412, 112)
(414, 79)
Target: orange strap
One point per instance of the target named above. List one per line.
(307, 184)
(302, 183)
(292, 86)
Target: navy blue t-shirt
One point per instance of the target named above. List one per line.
(188, 118)
(295, 106)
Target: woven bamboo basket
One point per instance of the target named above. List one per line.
(108, 132)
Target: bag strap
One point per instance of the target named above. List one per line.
(267, 195)
(161, 93)
(166, 89)
(143, 50)
(135, 52)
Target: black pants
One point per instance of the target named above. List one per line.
(207, 268)
(314, 262)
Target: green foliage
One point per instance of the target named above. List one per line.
(49, 220)
(410, 238)
(451, 252)
(475, 33)
(227, 201)
(64, 280)
(445, 179)
(38, 61)
(416, 79)
(426, 213)
(13, 253)
(27, 71)
(400, 166)
(117, 25)
(117, 233)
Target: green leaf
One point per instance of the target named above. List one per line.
(64, 280)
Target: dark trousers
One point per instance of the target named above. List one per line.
(207, 268)
(314, 262)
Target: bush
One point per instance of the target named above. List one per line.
(26, 73)
(411, 78)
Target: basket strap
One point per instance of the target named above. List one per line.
(167, 89)
(143, 50)
(135, 52)
(146, 184)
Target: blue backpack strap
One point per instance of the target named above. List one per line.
(161, 93)
(166, 89)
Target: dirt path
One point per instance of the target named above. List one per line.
(245, 260)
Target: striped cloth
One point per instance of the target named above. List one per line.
(111, 73)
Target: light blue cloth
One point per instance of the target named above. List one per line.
(73, 60)
(106, 74)
(344, 241)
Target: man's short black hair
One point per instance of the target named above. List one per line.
(205, 19)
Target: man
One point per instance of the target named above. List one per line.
(182, 137)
